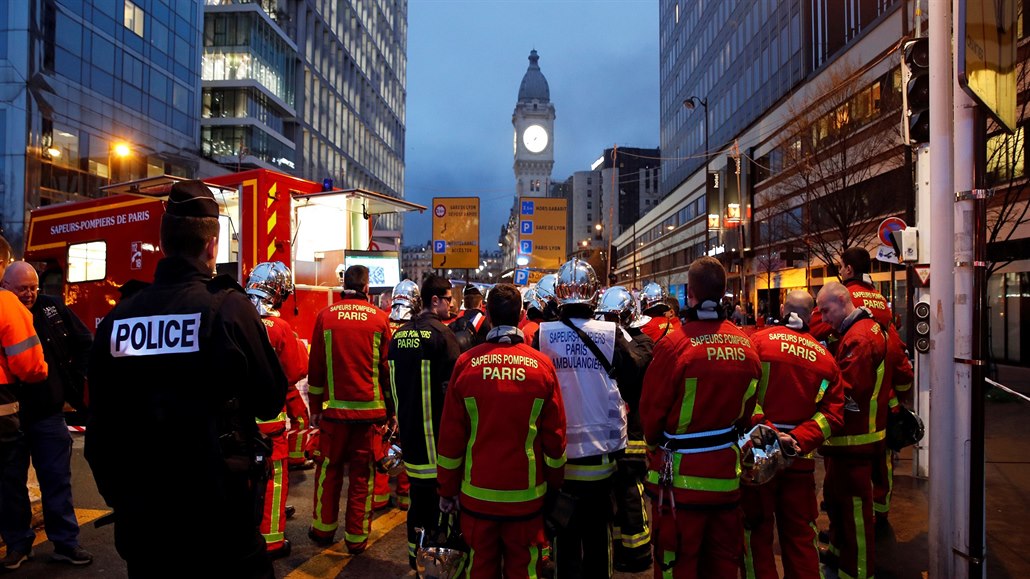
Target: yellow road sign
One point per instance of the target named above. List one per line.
(542, 226)
(456, 232)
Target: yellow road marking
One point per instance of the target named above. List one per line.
(84, 516)
(331, 561)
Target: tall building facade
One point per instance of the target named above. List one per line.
(312, 88)
(95, 91)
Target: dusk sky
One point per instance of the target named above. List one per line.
(466, 59)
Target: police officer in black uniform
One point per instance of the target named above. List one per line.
(178, 373)
(421, 344)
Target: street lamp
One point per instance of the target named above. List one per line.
(690, 103)
(120, 150)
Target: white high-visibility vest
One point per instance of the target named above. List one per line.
(595, 413)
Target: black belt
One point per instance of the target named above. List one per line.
(702, 441)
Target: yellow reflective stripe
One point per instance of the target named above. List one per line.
(327, 337)
(668, 562)
(377, 339)
(751, 389)
(447, 462)
(749, 558)
(319, 492)
(822, 391)
(903, 387)
(354, 405)
(538, 404)
(315, 389)
(885, 506)
(874, 401)
(554, 462)
(636, 447)
(893, 402)
(427, 412)
(758, 410)
(412, 549)
(697, 483)
(824, 425)
(473, 412)
(638, 540)
(763, 385)
(855, 439)
(393, 386)
(280, 418)
(861, 561)
(503, 496)
(687, 406)
(534, 557)
(589, 472)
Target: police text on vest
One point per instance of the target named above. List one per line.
(153, 335)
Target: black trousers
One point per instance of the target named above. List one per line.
(584, 547)
(424, 512)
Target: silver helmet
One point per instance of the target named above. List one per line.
(761, 456)
(617, 301)
(407, 294)
(576, 284)
(532, 300)
(392, 461)
(545, 288)
(268, 286)
(653, 296)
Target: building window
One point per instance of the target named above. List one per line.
(133, 18)
(87, 261)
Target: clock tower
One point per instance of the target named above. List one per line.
(533, 121)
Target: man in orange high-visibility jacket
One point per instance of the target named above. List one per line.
(851, 454)
(502, 444)
(801, 394)
(346, 377)
(701, 384)
(22, 358)
(854, 267)
(268, 285)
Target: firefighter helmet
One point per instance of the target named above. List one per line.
(652, 299)
(392, 461)
(407, 294)
(545, 288)
(576, 283)
(904, 428)
(441, 552)
(618, 301)
(533, 300)
(761, 456)
(269, 284)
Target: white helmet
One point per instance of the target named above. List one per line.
(653, 296)
(268, 286)
(577, 283)
(618, 301)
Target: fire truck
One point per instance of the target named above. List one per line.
(88, 251)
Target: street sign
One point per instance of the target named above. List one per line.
(521, 277)
(456, 232)
(542, 226)
(886, 253)
(888, 225)
(923, 273)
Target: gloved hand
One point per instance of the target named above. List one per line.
(449, 504)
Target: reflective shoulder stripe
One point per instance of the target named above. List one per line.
(554, 462)
(426, 386)
(874, 399)
(751, 389)
(856, 439)
(327, 338)
(473, 412)
(22, 346)
(824, 425)
(763, 385)
(822, 391)
(503, 496)
(447, 462)
(687, 406)
(377, 392)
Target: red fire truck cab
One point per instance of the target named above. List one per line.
(87, 250)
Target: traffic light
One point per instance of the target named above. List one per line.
(922, 315)
(915, 75)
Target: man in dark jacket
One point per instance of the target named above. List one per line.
(66, 343)
(178, 374)
(422, 355)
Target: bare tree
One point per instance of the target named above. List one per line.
(841, 154)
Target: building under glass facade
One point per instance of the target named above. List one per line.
(95, 91)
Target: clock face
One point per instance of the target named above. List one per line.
(535, 138)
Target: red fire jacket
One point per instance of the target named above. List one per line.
(861, 354)
(660, 327)
(702, 380)
(293, 357)
(502, 435)
(348, 361)
(801, 391)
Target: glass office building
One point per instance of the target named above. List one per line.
(96, 90)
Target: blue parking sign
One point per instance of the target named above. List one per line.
(527, 207)
(526, 228)
(439, 246)
(526, 246)
(521, 276)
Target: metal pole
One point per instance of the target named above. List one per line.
(708, 153)
(942, 508)
(977, 515)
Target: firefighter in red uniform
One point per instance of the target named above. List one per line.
(854, 268)
(851, 454)
(406, 303)
(800, 393)
(653, 304)
(347, 373)
(700, 386)
(502, 444)
(268, 285)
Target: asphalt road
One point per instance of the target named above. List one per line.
(901, 553)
